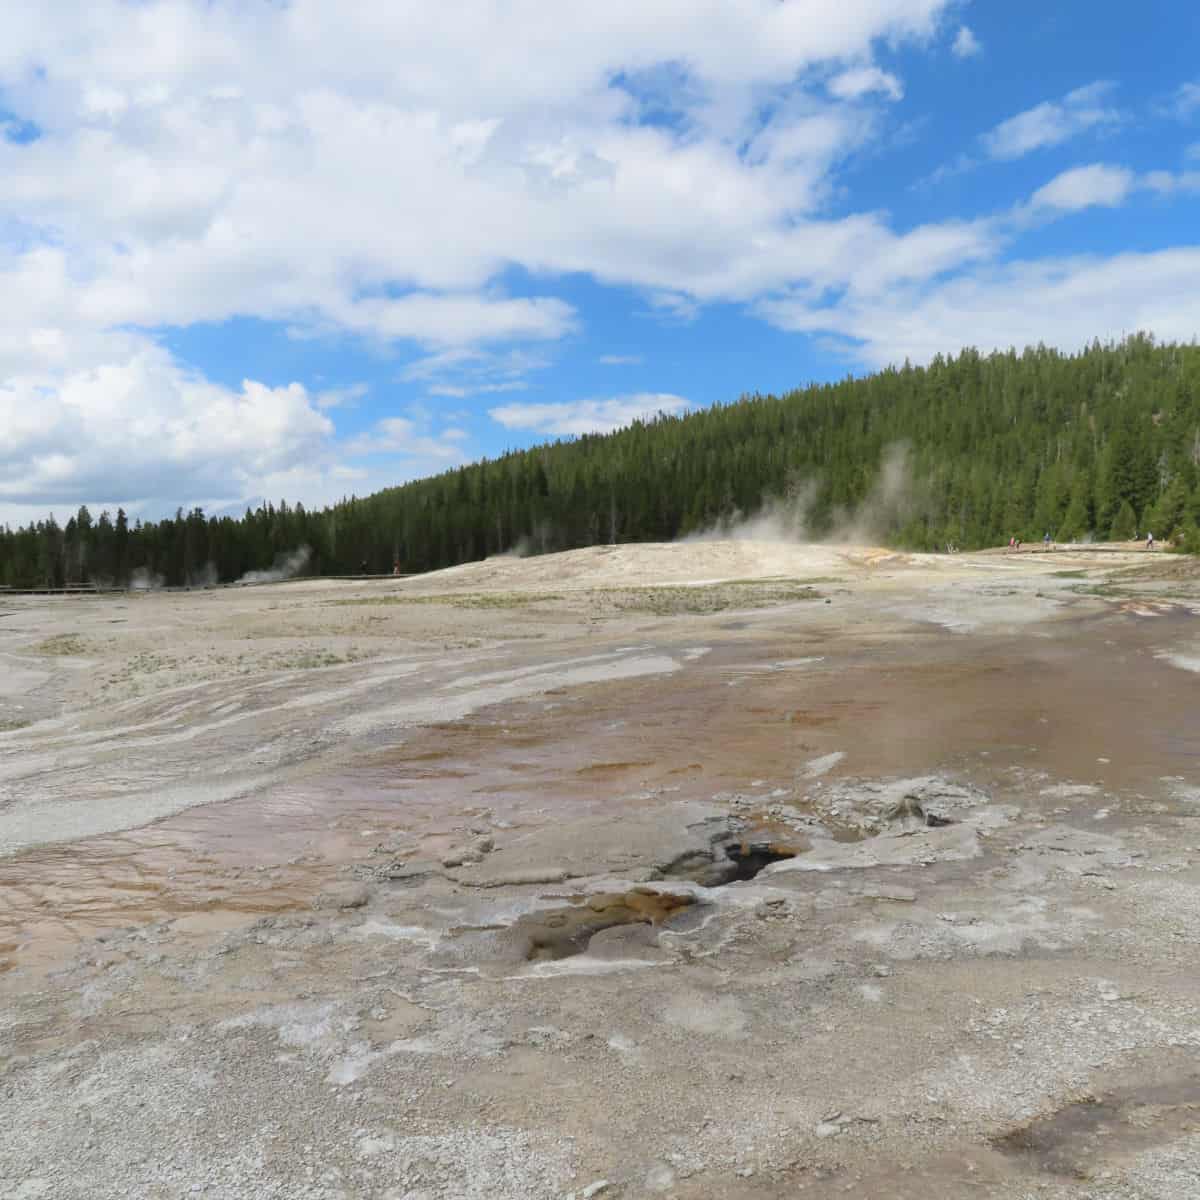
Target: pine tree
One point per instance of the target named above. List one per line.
(1077, 521)
(1124, 525)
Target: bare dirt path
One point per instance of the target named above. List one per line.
(722, 869)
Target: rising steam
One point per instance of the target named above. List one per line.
(145, 580)
(795, 517)
(286, 565)
(780, 519)
(887, 507)
(205, 577)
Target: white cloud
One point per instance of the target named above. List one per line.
(458, 391)
(1084, 187)
(959, 165)
(965, 44)
(920, 254)
(863, 81)
(1101, 185)
(673, 307)
(468, 371)
(620, 360)
(346, 397)
(144, 429)
(1053, 122)
(1167, 183)
(291, 184)
(1059, 302)
(406, 439)
(587, 416)
(455, 320)
(1186, 100)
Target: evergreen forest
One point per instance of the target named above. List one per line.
(1099, 444)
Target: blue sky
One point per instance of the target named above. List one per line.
(299, 250)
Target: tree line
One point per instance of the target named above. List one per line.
(1097, 444)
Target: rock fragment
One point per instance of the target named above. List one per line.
(343, 896)
(402, 871)
(469, 854)
(517, 878)
(888, 891)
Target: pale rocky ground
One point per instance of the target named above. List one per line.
(445, 887)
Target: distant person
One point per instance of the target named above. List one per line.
(1012, 543)
(1046, 541)
(1149, 541)
(362, 567)
(396, 567)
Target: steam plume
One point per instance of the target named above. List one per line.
(286, 565)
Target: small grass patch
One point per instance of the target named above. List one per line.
(61, 646)
(148, 662)
(1106, 591)
(308, 659)
(12, 724)
(682, 601)
(1148, 595)
(313, 660)
(786, 580)
(460, 599)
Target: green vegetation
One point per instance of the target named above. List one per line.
(659, 600)
(998, 445)
(309, 660)
(712, 598)
(455, 599)
(61, 645)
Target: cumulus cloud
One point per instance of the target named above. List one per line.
(1053, 122)
(965, 44)
(152, 429)
(587, 416)
(1084, 187)
(369, 152)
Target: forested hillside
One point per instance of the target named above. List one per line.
(1100, 443)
